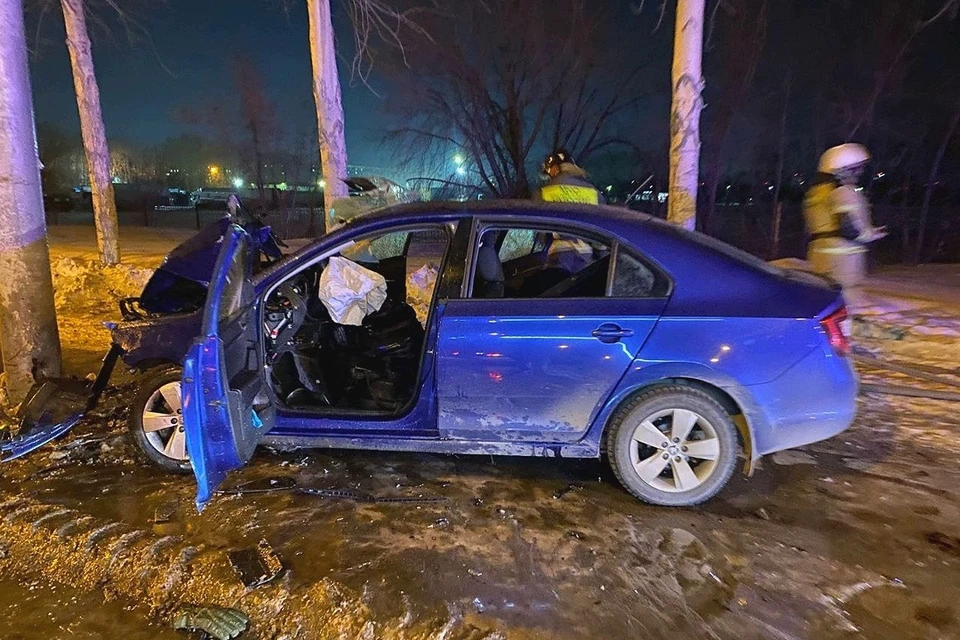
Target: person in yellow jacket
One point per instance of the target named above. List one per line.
(837, 217)
(567, 182)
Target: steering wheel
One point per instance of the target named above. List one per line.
(285, 314)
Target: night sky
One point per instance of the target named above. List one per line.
(194, 40)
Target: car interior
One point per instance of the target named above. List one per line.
(316, 364)
(528, 263)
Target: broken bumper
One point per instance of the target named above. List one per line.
(54, 406)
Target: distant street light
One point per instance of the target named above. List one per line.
(461, 171)
(238, 183)
(321, 183)
(458, 160)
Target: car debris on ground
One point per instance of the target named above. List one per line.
(221, 623)
(257, 566)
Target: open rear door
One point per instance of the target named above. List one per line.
(226, 409)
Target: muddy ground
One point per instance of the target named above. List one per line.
(858, 536)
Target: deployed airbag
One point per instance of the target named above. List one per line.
(351, 292)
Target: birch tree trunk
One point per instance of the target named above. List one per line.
(326, 95)
(685, 114)
(29, 341)
(91, 126)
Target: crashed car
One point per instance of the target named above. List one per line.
(552, 330)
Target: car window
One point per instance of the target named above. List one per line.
(383, 247)
(566, 266)
(517, 243)
(633, 278)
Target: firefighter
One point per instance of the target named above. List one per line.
(568, 182)
(837, 217)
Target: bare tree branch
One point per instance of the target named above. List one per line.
(381, 20)
(502, 79)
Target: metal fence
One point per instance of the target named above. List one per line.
(295, 222)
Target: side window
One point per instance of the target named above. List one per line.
(517, 243)
(632, 278)
(540, 264)
(373, 250)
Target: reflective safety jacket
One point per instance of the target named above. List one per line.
(570, 185)
(837, 218)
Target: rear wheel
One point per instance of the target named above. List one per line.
(673, 446)
(156, 420)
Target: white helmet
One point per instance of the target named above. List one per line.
(839, 159)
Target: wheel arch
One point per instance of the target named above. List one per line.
(736, 408)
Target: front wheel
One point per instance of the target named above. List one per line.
(156, 420)
(673, 446)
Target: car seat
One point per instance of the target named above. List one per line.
(489, 272)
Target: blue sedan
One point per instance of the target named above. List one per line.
(513, 328)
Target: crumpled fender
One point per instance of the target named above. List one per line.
(157, 339)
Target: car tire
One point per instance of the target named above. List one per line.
(150, 399)
(672, 469)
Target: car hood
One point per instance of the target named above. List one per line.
(194, 258)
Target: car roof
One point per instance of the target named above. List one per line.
(448, 208)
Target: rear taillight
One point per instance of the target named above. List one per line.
(837, 327)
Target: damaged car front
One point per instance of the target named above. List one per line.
(155, 331)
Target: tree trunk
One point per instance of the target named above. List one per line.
(931, 183)
(29, 342)
(326, 95)
(685, 115)
(91, 126)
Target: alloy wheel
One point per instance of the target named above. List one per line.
(163, 422)
(675, 450)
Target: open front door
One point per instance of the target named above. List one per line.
(226, 409)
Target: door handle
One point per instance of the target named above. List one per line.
(609, 333)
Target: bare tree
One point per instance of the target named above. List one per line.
(244, 126)
(778, 179)
(687, 103)
(29, 341)
(258, 115)
(372, 19)
(498, 80)
(92, 129)
(326, 95)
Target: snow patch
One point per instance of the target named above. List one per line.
(79, 282)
